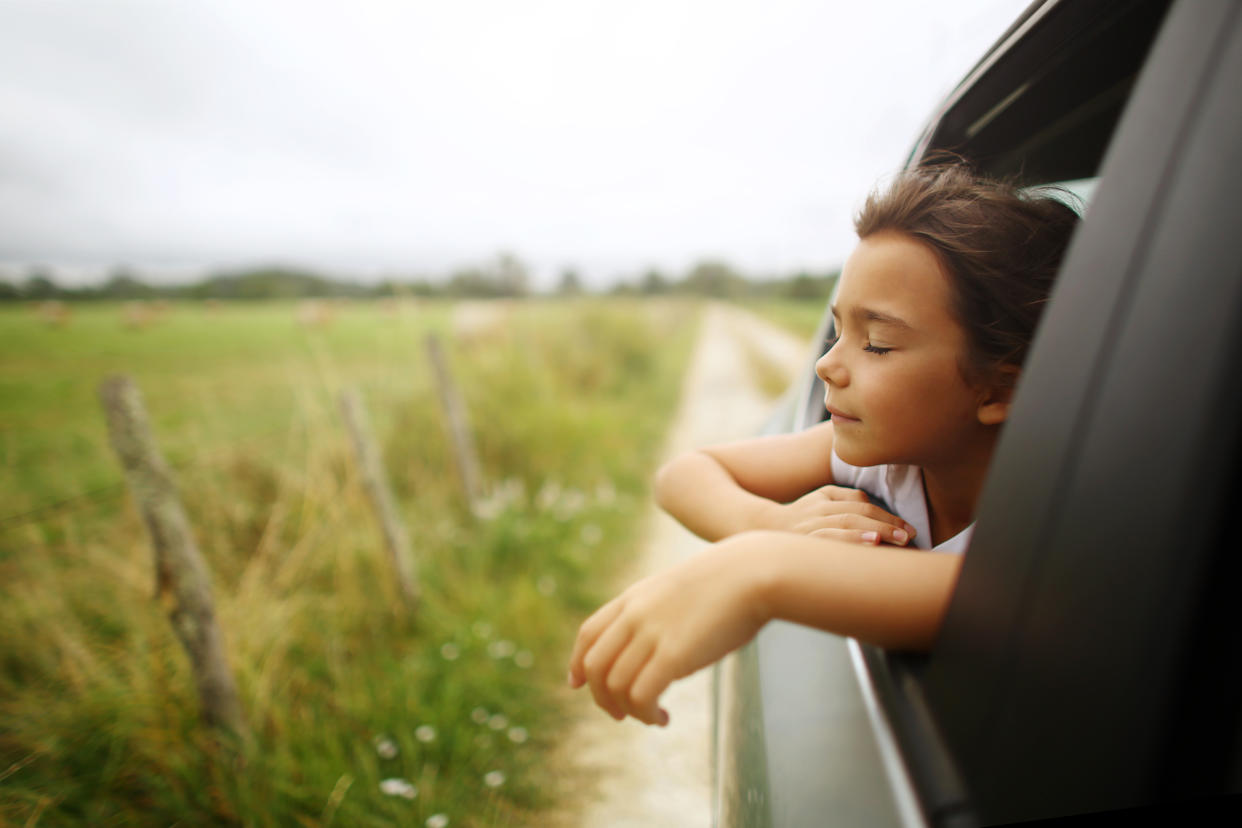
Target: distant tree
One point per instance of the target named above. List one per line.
(654, 283)
(423, 288)
(39, 286)
(506, 276)
(511, 275)
(570, 283)
(471, 281)
(805, 286)
(123, 285)
(9, 292)
(716, 279)
(272, 283)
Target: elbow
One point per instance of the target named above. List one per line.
(665, 482)
(673, 478)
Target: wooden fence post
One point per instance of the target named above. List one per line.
(455, 412)
(376, 484)
(182, 583)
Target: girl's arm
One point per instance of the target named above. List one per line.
(671, 624)
(780, 482)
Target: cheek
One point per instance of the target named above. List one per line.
(920, 396)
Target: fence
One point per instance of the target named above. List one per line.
(183, 583)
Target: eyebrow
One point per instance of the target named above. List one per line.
(870, 315)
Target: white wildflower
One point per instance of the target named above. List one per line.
(518, 735)
(512, 490)
(523, 659)
(571, 503)
(546, 585)
(437, 821)
(498, 722)
(574, 500)
(501, 649)
(489, 508)
(425, 733)
(450, 651)
(605, 493)
(591, 534)
(494, 779)
(479, 715)
(549, 494)
(385, 747)
(398, 787)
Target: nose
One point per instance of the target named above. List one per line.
(830, 367)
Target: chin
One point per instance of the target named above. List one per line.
(855, 455)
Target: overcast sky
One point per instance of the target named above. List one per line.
(407, 137)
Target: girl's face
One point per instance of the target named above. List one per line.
(894, 383)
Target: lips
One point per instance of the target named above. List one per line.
(839, 416)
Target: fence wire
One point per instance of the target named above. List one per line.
(112, 489)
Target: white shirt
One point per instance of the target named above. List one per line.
(901, 489)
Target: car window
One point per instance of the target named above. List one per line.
(1083, 188)
(1077, 194)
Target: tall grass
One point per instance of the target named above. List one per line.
(98, 719)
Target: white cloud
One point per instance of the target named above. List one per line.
(418, 135)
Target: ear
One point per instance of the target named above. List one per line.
(996, 396)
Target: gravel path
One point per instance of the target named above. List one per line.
(627, 774)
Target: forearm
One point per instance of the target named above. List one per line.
(892, 597)
(697, 490)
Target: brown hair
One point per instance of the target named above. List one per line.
(1000, 246)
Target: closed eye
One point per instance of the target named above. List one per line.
(876, 349)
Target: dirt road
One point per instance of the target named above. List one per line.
(627, 774)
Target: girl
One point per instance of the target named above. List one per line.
(934, 313)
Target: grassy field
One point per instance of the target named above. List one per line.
(457, 707)
(800, 317)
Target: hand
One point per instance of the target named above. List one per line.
(839, 513)
(666, 627)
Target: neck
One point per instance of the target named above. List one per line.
(952, 491)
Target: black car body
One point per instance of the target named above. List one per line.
(1089, 660)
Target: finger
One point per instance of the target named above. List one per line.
(587, 634)
(866, 538)
(876, 513)
(886, 531)
(870, 510)
(844, 493)
(656, 675)
(598, 662)
(627, 666)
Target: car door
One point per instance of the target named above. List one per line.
(1088, 660)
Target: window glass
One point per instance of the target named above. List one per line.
(1077, 193)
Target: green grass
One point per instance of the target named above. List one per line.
(98, 718)
(799, 317)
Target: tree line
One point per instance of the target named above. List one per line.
(504, 277)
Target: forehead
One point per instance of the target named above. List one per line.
(894, 274)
